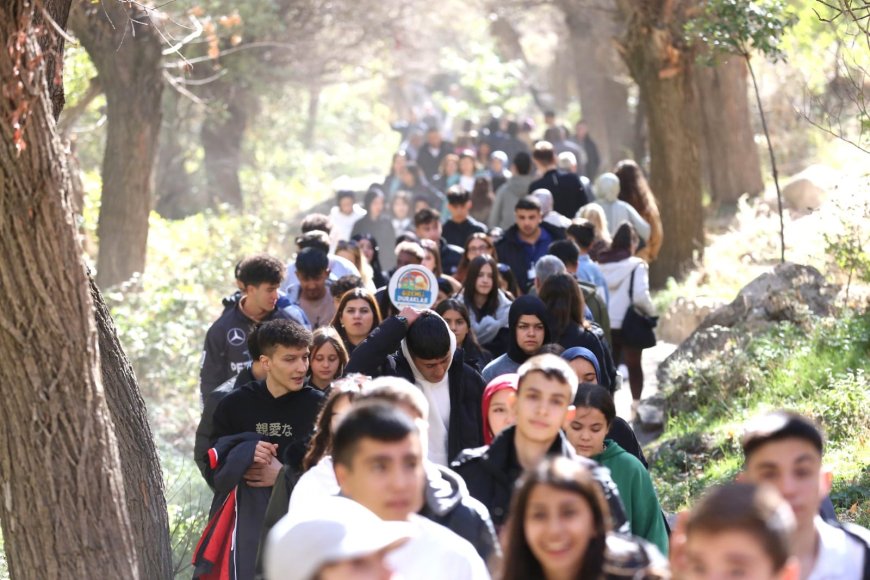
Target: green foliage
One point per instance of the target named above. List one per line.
(739, 26)
(821, 370)
(849, 246)
(485, 80)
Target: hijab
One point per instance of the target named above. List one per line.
(581, 352)
(522, 306)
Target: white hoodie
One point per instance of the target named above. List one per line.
(438, 395)
(618, 275)
(616, 210)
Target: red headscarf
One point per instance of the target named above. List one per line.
(499, 383)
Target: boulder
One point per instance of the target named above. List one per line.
(791, 292)
(651, 413)
(808, 189)
(682, 318)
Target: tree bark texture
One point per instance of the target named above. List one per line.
(126, 50)
(143, 477)
(662, 68)
(63, 500)
(222, 135)
(58, 12)
(603, 98)
(731, 160)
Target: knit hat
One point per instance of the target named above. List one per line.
(607, 187)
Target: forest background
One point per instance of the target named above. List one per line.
(198, 131)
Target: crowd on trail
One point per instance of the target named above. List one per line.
(345, 437)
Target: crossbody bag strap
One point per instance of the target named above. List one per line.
(631, 286)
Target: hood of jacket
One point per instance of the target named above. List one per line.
(611, 450)
(617, 273)
(418, 376)
(525, 305)
(607, 188)
(444, 489)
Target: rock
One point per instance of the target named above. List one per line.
(808, 189)
(791, 292)
(651, 413)
(682, 318)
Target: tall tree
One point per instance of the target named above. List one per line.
(731, 161)
(660, 61)
(64, 510)
(126, 49)
(603, 98)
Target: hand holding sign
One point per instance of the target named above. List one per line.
(410, 314)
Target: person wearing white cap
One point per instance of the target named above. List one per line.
(345, 542)
(378, 460)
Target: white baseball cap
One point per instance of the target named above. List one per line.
(340, 529)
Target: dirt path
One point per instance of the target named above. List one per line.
(651, 359)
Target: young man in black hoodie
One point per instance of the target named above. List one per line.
(427, 225)
(257, 428)
(545, 393)
(525, 242)
(419, 347)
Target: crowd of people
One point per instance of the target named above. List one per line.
(347, 438)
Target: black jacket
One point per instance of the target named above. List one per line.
(458, 234)
(569, 195)
(430, 163)
(448, 503)
(231, 456)
(450, 256)
(512, 252)
(205, 429)
(491, 473)
(380, 354)
(225, 352)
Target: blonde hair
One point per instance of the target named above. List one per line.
(595, 214)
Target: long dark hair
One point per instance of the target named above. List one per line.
(563, 474)
(623, 237)
(491, 305)
(561, 294)
(470, 343)
(321, 443)
(375, 262)
(633, 187)
(462, 268)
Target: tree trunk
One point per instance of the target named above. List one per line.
(63, 511)
(143, 478)
(603, 99)
(662, 68)
(222, 133)
(313, 111)
(731, 157)
(126, 50)
(172, 183)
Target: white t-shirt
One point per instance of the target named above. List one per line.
(841, 557)
(436, 553)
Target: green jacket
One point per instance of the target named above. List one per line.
(637, 493)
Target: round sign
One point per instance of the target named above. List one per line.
(413, 286)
